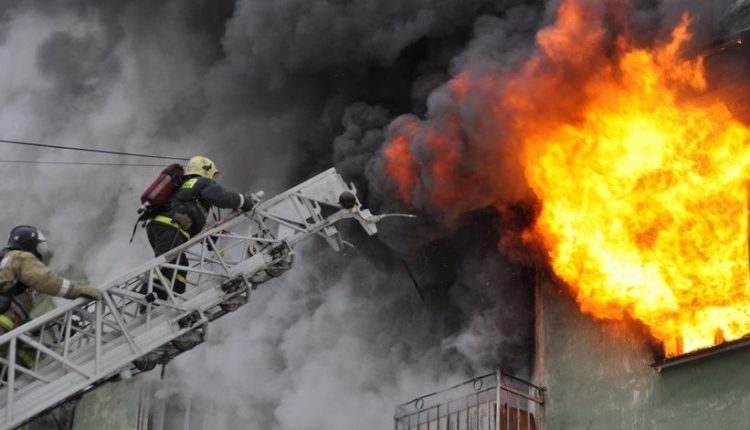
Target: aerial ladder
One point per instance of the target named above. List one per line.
(83, 344)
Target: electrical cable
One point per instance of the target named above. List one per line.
(414, 281)
(100, 151)
(78, 163)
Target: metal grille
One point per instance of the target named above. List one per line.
(495, 401)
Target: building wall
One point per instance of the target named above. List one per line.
(597, 376)
(143, 403)
(112, 406)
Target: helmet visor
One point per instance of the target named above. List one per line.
(41, 247)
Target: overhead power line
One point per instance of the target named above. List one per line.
(100, 151)
(78, 163)
(414, 281)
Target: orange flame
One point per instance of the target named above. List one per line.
(644, 195)
(645, 202)
(401, 165)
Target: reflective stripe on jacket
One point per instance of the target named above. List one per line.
(170, 222)
(24, 267)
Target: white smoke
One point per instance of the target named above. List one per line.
(260, 88)
(326, 346)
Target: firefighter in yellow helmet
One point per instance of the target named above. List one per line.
(21, 271)
(185, 214)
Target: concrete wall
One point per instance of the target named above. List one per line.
(112, 406)
(597, 376)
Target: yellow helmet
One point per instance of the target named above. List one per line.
(202, 166)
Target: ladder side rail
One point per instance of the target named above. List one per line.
(63, 315)
(107, 362)
(121, 339)
(114, 311)
(156, 262)
(217, 301)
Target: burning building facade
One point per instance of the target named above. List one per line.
(638, 172)
(636, 154)
(611, 373)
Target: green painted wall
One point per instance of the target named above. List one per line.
(112, 406)
(597, 376)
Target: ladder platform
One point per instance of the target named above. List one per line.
(82, 344)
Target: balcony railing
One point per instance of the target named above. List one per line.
(495, 401)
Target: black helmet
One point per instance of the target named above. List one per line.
(26, 238)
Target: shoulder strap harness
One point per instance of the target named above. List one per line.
(8, 297)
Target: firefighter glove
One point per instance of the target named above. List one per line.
(92, 293)
(248, 202)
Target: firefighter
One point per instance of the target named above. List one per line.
(186, 214)
(21, 271)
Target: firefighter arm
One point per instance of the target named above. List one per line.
(220, 197)
(32, 272)
(39, 277)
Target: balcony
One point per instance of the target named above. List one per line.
(495, 401)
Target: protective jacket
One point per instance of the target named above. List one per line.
(21, 272)
(191, 202)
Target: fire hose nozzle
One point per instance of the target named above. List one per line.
(378, 218)
(397, 216)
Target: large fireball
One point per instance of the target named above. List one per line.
(642, 179)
